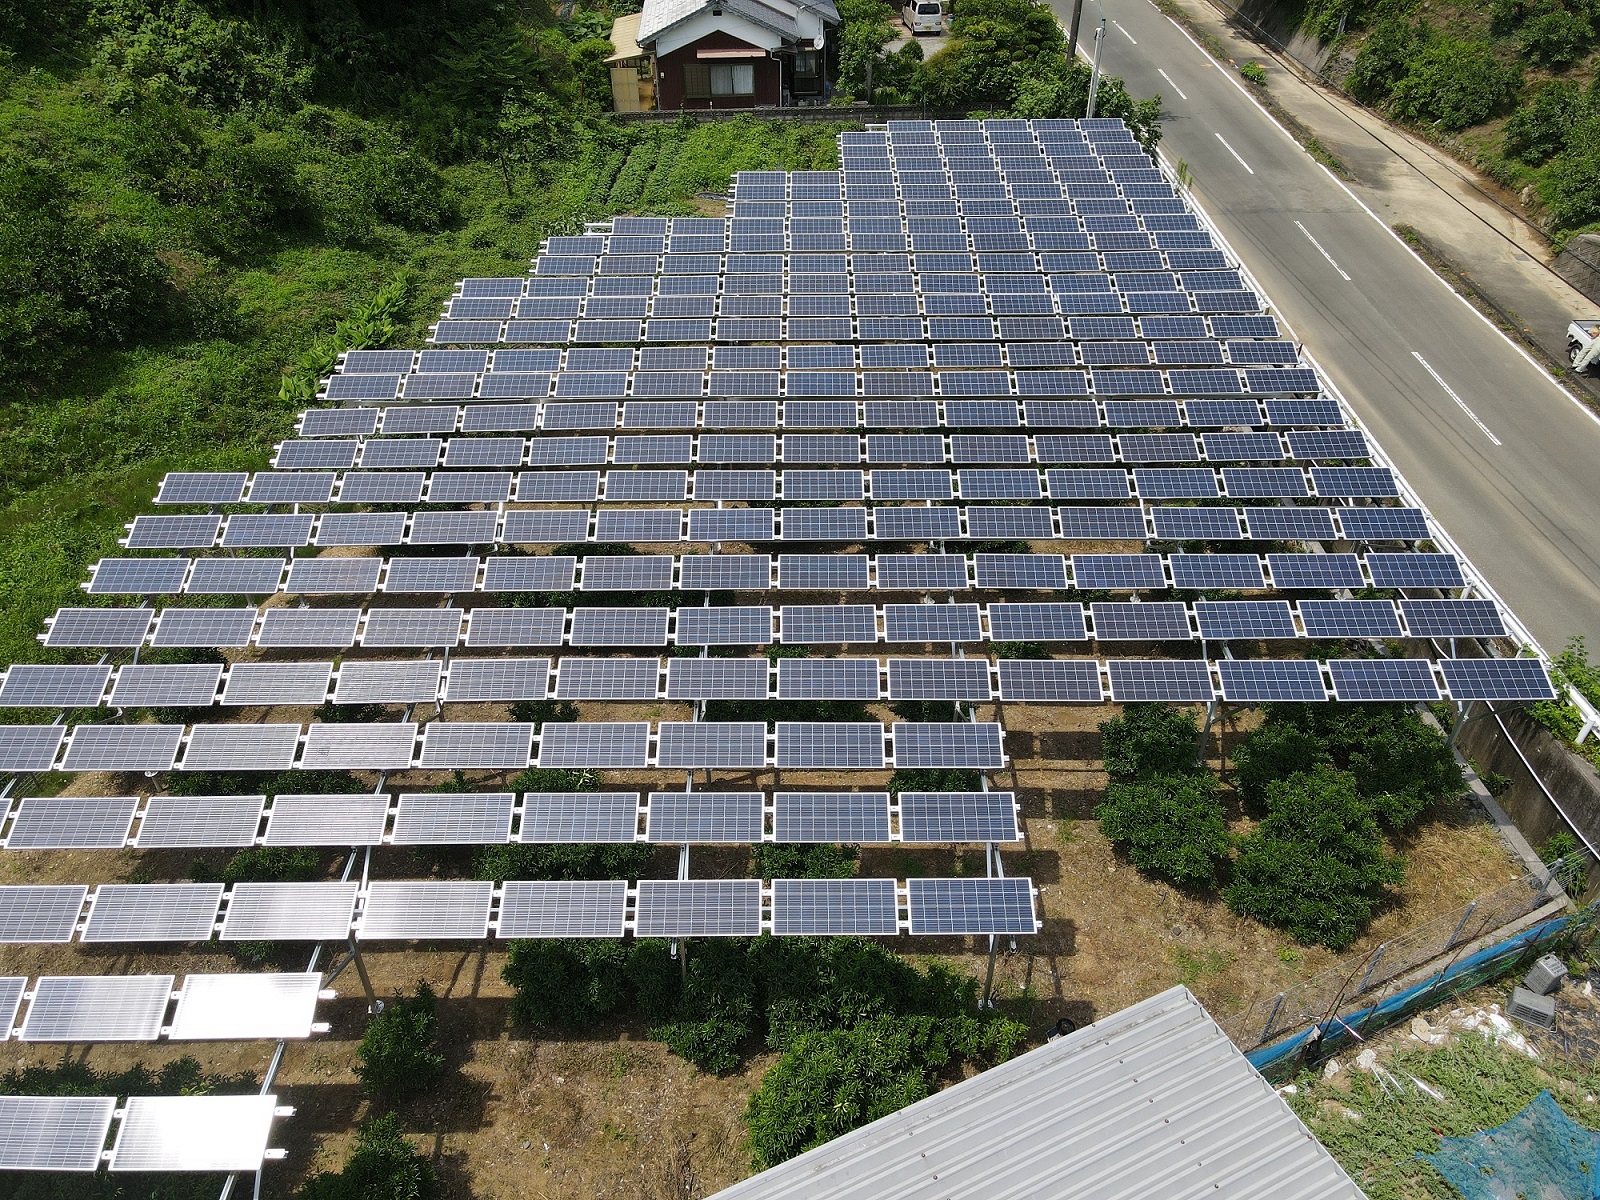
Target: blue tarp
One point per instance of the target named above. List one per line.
(1539, 1154)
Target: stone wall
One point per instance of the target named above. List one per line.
(1579, 265)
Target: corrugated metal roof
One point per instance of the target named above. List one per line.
(625, 38)
(780, 16)
(1153, 1101)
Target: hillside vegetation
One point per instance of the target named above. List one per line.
(1510, 85)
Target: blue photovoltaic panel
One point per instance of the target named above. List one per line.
(939, 744)
(1052, 681)
(1304, 412)
(1036, 622)
(705, 817)
(1206, 524)
(1450, 618)
(916, 523)
(828, 679)
(1415, 570)
(1023, 522)
(731, 572)
(1315, 571)
(1383, 679)
(1496, 679)
(1204, 571)
(830, 745)
(897, 572)
(830, 572)
(931, 623)
(1117, 572)
(831, 817)
(958, 817)
(1244, 619)
(1140, 622)
(1366, 523)
(1174, 681)
(971, 906)
(1252, 681)
(1349, 618)
(1354, 481)
(938, 679)
(1175, 483)
(1087, 483)
(805, 907)
(1328, 443)
(1291, 523)
(726, 626)
(1022, 571)
(828, 623)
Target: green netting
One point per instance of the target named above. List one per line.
(1539, 1154)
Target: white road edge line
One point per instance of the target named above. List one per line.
(1236, 154)
(1471, 308)
(1125, 33)
(1460, 403)
(1323, 252)
(1207, 56)
(1175, 87)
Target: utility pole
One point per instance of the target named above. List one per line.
(1094, 72)
(1072, 35)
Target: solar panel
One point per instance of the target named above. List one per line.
(277, 683)
(456, 818)
(72, 823)
(828, 623)
(1020, 571)
(327, 820)
(138, 576)
(830, 745)
(412, 627)
(426, 909)
(515, 627)
(176, 685)
(299, 912)
(549, 526)
(389, 683)
(534, 573)
(825, 524)
(698, 908)
(421, 575)
(241, 748)
(1208, 524)
(803, 907)
(1172, 681)
(608, 679)
(280, 1005)
(716, 679)
(931, 623)
(1257, 681)
(731, 626)
(1290, 522)
(932, 744)
(336, 576)
(971, 906)
(1140, 622)
(480, 744)
(52, 686)
(645, 572)
(122, 748)
(54, 1133)
(179, 821)
(126, 1008)
(477, 679)
(958, 817)
(35, 913)
(359, 745)
(99, 627)
(1117, 571)
(537, 909)
(1349, 618)
(705, 817)
(594, 744)
(1415, 570)
(1496, 679)
(831, 817)
(152, 912)
(634, 525)
(1088, 484)
(619, 627)
(712, 744)
(376, 487)
(1452, 618)
(911, 572)
(1373, 524)
(1383, 679)
(938, 679)
(1207, 571)
(571, 817)
(1315, 571)
(815, 572)
(1354, 481)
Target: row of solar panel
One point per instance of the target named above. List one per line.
(740, 572)
(794, 483)
(498, 818)
(464, 745)
(212, 1134)
(1199, 350)
(133, 1008)
(814, 414)
(723, 625)
(409, 910)
(157, 576)
(478, 450)
(914, 323)
(692, 679)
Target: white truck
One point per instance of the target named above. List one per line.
(1583, 346)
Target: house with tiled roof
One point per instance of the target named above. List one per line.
(738, 53)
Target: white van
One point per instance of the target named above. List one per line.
(924, 16)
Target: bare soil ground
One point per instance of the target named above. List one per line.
(613, 1114)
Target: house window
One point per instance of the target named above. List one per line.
(806, 63)
(733, 79)
(696, 81)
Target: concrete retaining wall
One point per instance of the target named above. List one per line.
(1579, 265)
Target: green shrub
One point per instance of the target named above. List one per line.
(1454, 83)
(571, 983)
(1254, 72)
(1383, 58)
(1570, 188)
(935, 779)
(1025, 650)
(399, 1053)
(273, 864)
(383, 1166)
(1316, 866)
(540, 711)
(718, 1007)
(832, 1081)
(1275, 750)
(1149, 739)
(1171, 826)
(821, 860)
(1556, 38)
(532, 860)
(1538, 131)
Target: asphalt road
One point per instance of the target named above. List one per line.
(1504, 458)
